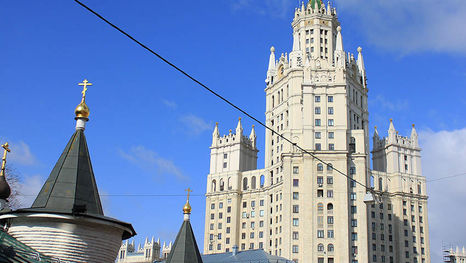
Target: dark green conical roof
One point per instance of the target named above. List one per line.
(71, 186)
(185, 248)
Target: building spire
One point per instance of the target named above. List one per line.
(239, 128)
(271, 70)
(253, 137)
(391, 132)
(339, 45)
(215, 135)
(414, 136)
(187, 206)
(82, 110)
(5, 190)
(361, 67)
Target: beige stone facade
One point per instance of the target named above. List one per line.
(301, 207)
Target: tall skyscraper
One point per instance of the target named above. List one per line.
(300, 207)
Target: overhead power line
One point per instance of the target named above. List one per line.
(214, 93)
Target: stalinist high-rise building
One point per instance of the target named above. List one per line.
(302, 208)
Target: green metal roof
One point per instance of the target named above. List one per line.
(71, 186)
(13, 251)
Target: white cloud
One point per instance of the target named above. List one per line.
(170, 104)
(151, 161)
(195, 125)
(21, 154)
(444, 154)
(397, 105)
(410, 26)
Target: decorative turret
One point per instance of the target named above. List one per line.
(239, 128)
(5, 190)
(391, 132)
(253, 137)
(215, 135)
(414, 138)
(362, 69)
(272, 67)
(340, 57)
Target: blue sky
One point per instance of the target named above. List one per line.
(150, 127)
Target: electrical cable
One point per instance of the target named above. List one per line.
(213, 92)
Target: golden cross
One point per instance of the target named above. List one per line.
(189, 191)
(6, 150)
(85, 83)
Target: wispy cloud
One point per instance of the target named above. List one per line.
(391, 105)
(410, 26)
(28, 187)
(194, 124)
(21, 154)
(151, 161)
(443, 155)
(170, 104)
(276, 8)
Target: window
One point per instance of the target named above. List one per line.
(354, 222)
(331, 135)
(354, 209)
(295, 182)
(330, 220)
(245, 184)
(295, 249)
(318, 135)
(330, 180)
(330, 110)
(330, 122)
(320, 233)
(320, 207)
(295, 170)
(295, 209)
(262, 182)
(330, 248)
(331, 147)
(352, 196)
(329, 193)
(295, 235)
(320, 193)
(318, 122)
(295, 222)
(317, 110)
(320, 247)
(318, 147)
(320, 180)
(330, 98)
(317, 98)
(320, 167)
(354, 236)
(295, 196)
(225, 156)
(330, 207)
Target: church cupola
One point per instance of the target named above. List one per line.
(67, 213)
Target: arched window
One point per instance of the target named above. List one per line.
(330, 207)
(253, 182)
(330, 248)
(320, 167)
(380, 184)
(320, 207)
(320, 247)
(229, 183)
(214, 185)
(222, 185)
(329, 167)
(245, 184)
(262, 181)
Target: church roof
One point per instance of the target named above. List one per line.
(71, 186)
(185, 247)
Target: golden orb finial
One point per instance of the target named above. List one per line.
(82, 110)
(187, 207)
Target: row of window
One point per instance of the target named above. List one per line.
(330, 122)
(318, 135)
(317, 110)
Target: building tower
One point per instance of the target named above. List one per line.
(403, 234)
(66, 220)
(299, 206)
